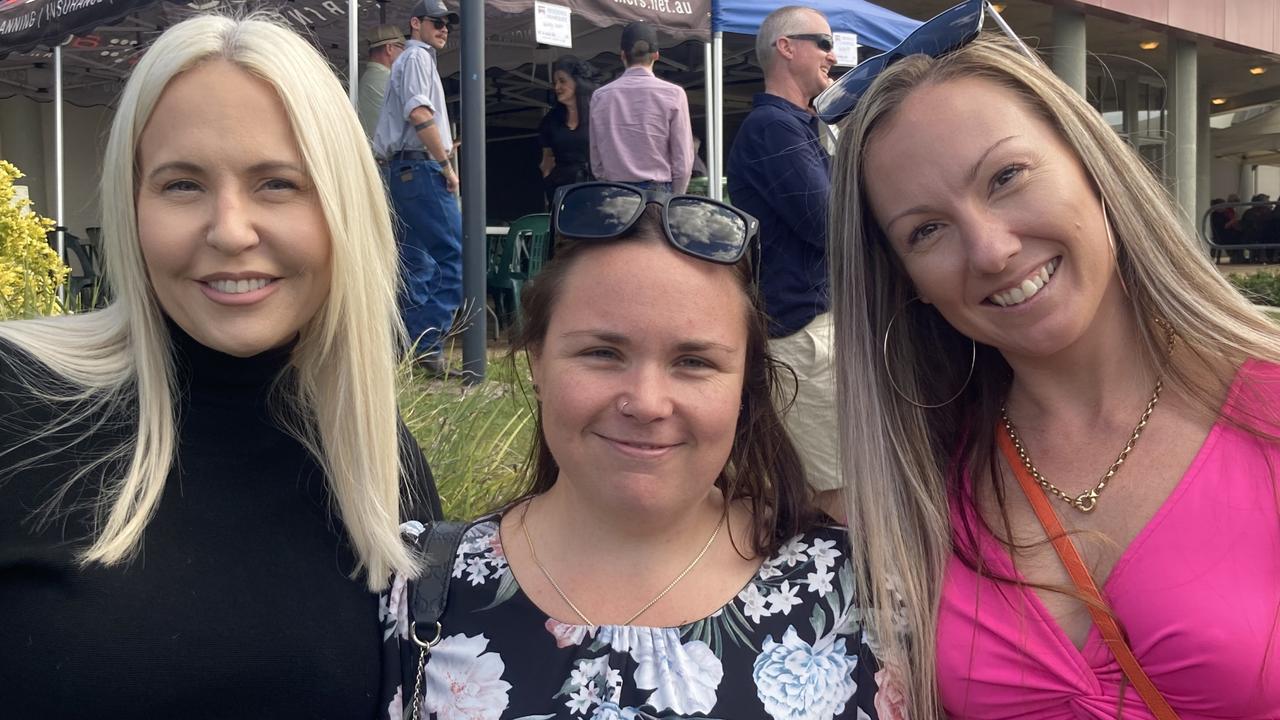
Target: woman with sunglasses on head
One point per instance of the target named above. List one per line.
(1061, 422)
(202, 484)
(665, 559)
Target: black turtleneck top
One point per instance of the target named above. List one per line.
(239, 604)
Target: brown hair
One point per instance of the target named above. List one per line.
(763, 467)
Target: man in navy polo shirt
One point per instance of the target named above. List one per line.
(779, 172)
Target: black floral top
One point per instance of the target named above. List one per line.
(790, 645)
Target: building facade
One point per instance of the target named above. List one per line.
(1169, 76)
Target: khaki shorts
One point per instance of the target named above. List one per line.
(811, 419)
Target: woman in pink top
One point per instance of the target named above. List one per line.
(1005, 264)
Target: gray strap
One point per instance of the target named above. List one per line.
(439, 545)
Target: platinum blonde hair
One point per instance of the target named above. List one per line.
(903, 460)
(343, 408)
(787, 20)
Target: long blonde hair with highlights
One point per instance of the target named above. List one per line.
(343, 403)
(902, 460)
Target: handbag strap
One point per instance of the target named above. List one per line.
(1083, 580)
(439, 544)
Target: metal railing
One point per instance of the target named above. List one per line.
(1236, 250)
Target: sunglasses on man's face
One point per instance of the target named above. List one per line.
(440, 24)
(822, 40)
(694, 225)
(945, 33)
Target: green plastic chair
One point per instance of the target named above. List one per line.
(512, 262)
(538, 254)
(85, 290)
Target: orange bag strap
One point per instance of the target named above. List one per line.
(1100, 609)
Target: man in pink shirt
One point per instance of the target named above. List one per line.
(640, 130)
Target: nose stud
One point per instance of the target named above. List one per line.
(623, 407)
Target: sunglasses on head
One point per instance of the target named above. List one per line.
(945, 33)
(822, 40)
(694, 225)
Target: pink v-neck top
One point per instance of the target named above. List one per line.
(1197, 591)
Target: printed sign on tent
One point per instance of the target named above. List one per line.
(551, 24)
(846, 46)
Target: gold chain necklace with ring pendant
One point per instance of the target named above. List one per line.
(1086, 501)
(533, 554)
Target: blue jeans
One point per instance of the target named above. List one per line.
(652, 185)
(428, 229)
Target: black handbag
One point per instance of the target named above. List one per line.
(428, 594)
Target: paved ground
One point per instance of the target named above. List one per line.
(1246, 268)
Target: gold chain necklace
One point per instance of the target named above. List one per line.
(524, 526)
(1086, 501)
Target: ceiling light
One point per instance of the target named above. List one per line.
(1257, 70)
(1149, 44)
(1219, 101)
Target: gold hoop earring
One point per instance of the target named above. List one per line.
(973, 360)
(1115, 252)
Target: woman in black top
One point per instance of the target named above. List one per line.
(201, 485)
(565, 131)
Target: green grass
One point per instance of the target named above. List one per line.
(475, 437)
(1262, 287)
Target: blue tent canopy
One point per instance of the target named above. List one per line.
(874, 25)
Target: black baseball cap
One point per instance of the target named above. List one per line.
(434, 9)
(639, 32)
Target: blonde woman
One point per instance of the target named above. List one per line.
(202, 484)
(1025, 323)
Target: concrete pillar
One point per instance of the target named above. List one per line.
(1130, 108)
(1069, 46)
(1184, 86)
(22, 143)
(1247, 184)
(1204, 161)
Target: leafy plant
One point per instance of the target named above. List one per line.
(1262, 288)
(476, 437)
(31, 273)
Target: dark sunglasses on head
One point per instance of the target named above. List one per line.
(694, 225)
(946, 32)
(822, 40)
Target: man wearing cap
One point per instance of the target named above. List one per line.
(779, 172)
(413, 140)
(640, 130)
(385, 45)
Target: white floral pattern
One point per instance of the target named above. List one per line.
(465, 682)
(789, 646)
(683, 676)
(799, 681)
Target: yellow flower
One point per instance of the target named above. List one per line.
(30, 271)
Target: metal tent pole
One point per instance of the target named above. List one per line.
(708, 103)
(717, 64)
(353, 52)
(474, 248)
(59, 178)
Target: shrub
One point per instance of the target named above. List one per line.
(30, 271)
(1262, 288)
(476, 438)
